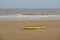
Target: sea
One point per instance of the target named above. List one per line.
(30, 11)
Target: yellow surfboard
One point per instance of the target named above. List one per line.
(34, 27)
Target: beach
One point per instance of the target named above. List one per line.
(13, 30)
(11, 27)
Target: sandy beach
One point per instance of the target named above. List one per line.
(12, 30)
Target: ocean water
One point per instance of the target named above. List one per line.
(29, 11)
(35, 11)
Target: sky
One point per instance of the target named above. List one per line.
(29, 3)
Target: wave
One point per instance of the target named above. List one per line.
(21, 15)
(29, 17)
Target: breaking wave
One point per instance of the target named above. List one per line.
(21, 15)
(29, 17)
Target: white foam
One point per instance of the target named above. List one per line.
(20, 16)
(30, 17)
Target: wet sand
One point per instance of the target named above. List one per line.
(12, 30)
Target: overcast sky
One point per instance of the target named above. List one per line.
(29, 3)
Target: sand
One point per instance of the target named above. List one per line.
(12, 30)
